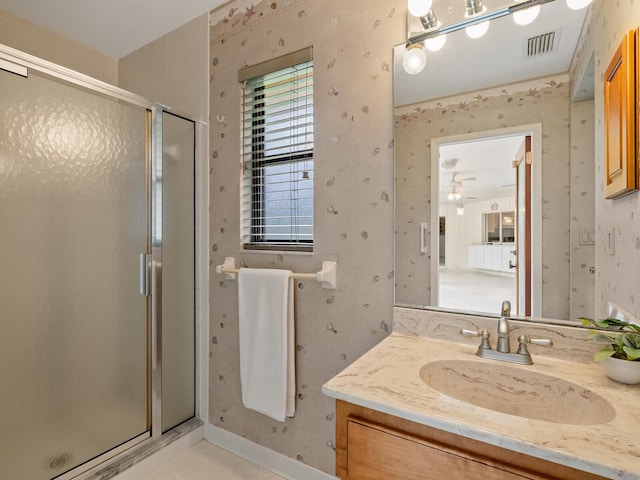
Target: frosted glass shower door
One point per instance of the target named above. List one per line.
(178, 270)
(73, 325)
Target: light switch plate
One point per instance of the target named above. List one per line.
(611, 241)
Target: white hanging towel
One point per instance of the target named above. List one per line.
(267, 350)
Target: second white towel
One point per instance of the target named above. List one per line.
(267, 341)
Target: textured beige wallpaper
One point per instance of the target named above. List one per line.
(582, 204)
(172, 70)
(353, 201)
(618, 274)
(544, 101)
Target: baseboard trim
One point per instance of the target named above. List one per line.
(281, 464)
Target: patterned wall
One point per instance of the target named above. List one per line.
(352, 43)
(582, 214)
(353, 202)
(617, 274)
(543, 101)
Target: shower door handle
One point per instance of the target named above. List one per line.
(424, 231)
(143, 271)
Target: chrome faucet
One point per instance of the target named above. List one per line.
(503, 349)
(503, 328)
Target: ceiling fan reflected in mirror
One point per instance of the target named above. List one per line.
(457, 182)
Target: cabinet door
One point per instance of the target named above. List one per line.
(380, 453)
(619, 97)
(506, 256)
(472, 256)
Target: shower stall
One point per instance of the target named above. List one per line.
(97, 270)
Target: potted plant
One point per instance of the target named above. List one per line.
(621, 357)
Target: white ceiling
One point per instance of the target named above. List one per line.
(489, 161)
(113, 27)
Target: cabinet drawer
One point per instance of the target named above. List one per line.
(376, 452)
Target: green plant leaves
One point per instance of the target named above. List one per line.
(632, 353)
(631, 340)
(603, 354)
(623, 338)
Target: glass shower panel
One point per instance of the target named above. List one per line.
(176, 184)
(73, 325)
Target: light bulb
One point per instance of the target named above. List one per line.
(453, 195)
(477, 30)
(527, 15)
(577, 4)
(419, 8)
(414, 59)
(434, 44)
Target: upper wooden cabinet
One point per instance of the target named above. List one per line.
(620, 119)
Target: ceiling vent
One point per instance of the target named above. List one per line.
(542, 44)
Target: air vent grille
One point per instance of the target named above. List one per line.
(541, 44)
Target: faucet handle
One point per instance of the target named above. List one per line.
(474, 333)
(543, 342)
(523, 340)
(470, 333)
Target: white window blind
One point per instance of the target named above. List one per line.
(277, 190)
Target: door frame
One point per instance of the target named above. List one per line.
(522, 171)
(535, 130)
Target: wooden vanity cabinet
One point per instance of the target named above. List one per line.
(371, 445)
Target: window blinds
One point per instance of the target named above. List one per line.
(277, 189)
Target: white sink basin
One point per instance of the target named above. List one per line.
(517, 391)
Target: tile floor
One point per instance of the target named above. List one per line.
(476, 291)
(204, 461)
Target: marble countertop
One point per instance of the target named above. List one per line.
(387, 379)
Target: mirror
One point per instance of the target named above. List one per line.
(462, 217)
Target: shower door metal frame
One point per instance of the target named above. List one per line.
(153, 274)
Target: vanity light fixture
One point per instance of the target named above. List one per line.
(419, 8)
(527, 15)
(436, 43)
(475, 22)
(578, 4)
(480, 17)
(429, 23)
(414, 59)
(475, 8)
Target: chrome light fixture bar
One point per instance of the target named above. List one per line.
(501, 12)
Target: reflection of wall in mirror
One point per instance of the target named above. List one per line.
(544, 101)
(617, 277)
(582, 200)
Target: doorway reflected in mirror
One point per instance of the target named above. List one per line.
(483, 246)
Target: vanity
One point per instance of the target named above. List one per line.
(422, 405)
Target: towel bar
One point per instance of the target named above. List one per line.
(327, 275)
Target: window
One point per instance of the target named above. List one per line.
(277, 190)
(499, 227)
